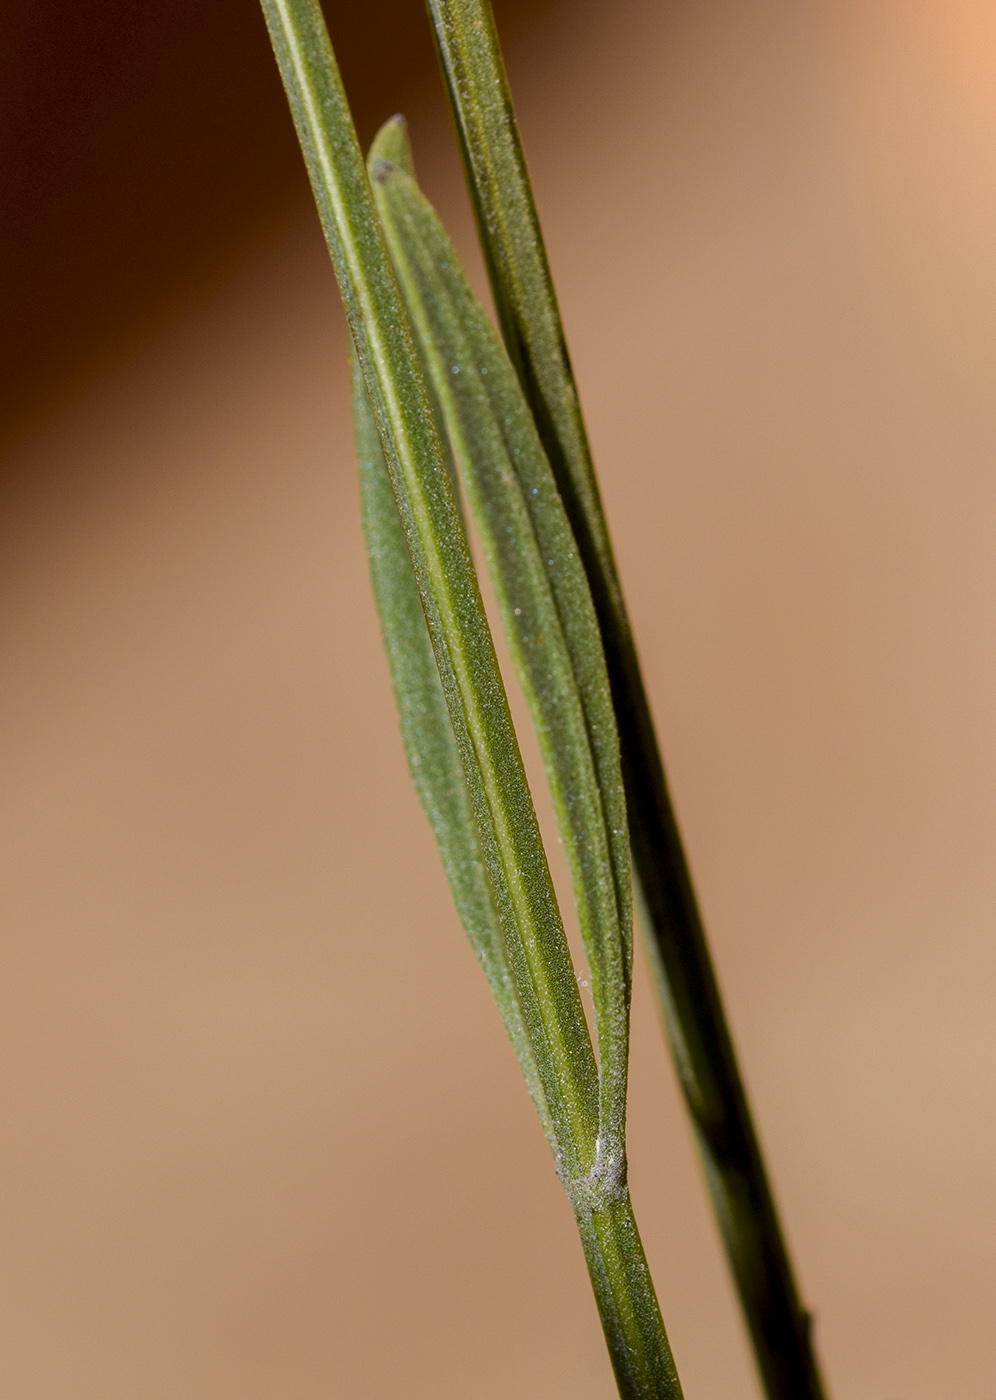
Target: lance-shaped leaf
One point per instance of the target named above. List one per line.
(543, 594)
(427, 734)
(461, 640)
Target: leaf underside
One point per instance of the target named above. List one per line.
(542, 591)
(427, 732)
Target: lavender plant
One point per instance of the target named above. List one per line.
(441, 403)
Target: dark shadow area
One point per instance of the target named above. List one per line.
(141, 148)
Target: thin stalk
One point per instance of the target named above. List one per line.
(683, 975)
(501, 804)
(614, 1255)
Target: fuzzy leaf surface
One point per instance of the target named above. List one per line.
(427, 732)
(543, 595)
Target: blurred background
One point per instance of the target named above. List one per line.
(263, 1136)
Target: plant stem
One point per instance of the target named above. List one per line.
(626, 1301)
(683, 974)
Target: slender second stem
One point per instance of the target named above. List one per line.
(683, 973)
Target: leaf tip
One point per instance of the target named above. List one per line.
(392, 147)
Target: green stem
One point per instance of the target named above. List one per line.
(682, 969)
(627, 1303)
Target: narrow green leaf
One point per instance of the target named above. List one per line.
(427, 733)
(461, 641)
(544, 599)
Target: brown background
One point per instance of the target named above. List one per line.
(262, 1135)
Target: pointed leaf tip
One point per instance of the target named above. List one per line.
(392, 147)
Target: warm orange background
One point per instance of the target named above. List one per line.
(262, 1134)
